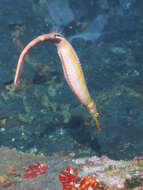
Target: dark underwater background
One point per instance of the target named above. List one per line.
(43, 115)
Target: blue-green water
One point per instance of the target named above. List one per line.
(44, 114)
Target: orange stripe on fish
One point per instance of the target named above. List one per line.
(71, 66)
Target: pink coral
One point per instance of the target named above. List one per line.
(116, 182)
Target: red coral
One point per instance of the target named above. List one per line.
(87, 182)
(71, 182)
(68, 179)
(36, 170)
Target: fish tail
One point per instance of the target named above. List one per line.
(93, 111)
(25, 51)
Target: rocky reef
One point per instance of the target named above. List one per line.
(21, 171)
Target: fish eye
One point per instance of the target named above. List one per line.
(58, 35)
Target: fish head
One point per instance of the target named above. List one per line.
(55, 37)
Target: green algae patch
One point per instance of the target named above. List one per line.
(26, 117)
(118, 50)
(65, 112)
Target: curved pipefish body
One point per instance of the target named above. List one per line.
(71, 66)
